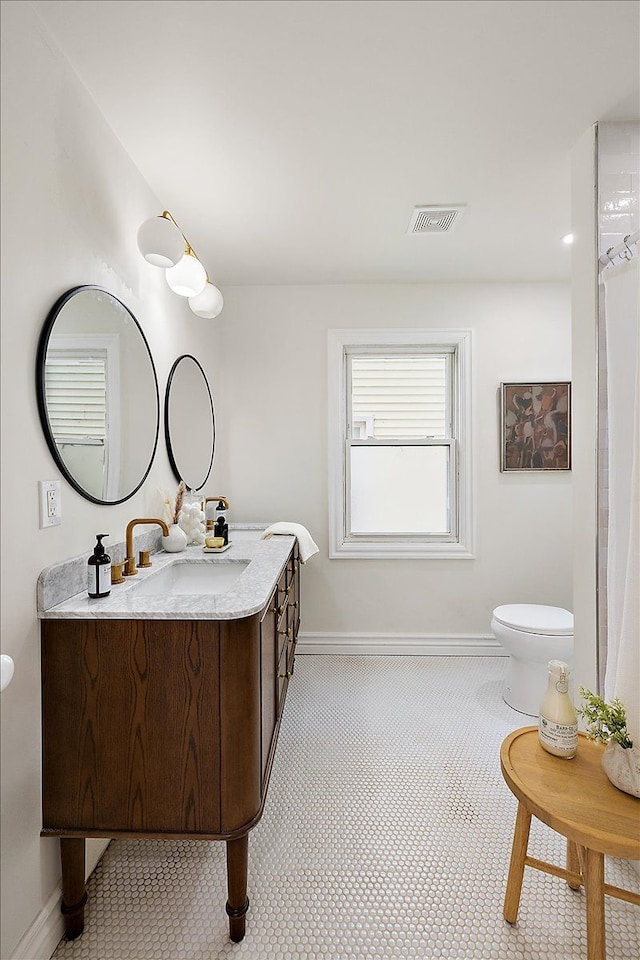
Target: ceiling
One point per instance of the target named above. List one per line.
(291, 139)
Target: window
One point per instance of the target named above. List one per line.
(82, 389)
(399, 406)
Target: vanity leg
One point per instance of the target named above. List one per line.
(237, 902)
(74, 893)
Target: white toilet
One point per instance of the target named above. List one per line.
(532, 635)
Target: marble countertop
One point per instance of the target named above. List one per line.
(248, 595)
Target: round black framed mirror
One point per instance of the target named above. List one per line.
(189, 422)
(97, 392)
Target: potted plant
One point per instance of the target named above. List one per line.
(607, 723)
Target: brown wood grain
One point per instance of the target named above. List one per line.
(573, 796)
(130, 726)
(240, 721)
(269, 692)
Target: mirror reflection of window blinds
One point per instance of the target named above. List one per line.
(401, 397)
(77, 398)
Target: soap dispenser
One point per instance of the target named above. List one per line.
(99, 570)
(221, 529)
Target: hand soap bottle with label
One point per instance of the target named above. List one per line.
(99, 570)
(558, 723)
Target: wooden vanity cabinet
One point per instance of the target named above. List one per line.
(163, 728)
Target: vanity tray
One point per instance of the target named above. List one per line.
(217, 549)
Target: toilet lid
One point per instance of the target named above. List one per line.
(535, 618)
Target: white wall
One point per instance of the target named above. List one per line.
(72, 203)
(275, 449)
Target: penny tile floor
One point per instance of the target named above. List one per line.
(386, 833)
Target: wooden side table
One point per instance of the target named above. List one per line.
(575, 798)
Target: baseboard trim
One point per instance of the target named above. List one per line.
(402, 644)
(45, 933)
(47, 930)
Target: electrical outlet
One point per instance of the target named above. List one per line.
(50, 503)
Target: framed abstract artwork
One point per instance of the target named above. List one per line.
(535, 432)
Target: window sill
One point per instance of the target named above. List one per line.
(350, 550)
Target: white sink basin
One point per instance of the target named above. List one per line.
(189, 577)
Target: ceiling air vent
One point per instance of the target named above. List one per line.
(434, 219)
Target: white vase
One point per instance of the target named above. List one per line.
(622, 767)
(176, 541)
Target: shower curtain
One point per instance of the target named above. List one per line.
(622, 324)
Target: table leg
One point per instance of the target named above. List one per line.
(74, 894)
(573, 862)
(594, 887)
(516, 867)
(237, 900)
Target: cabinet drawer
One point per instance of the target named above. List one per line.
(285, 637)
(282, 691)
(293, 618)
(291, 654)
(284, 633)
(292, 570)
(281, 590)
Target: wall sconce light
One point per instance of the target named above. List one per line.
(163, 244)
(188, 277)
(208, 303)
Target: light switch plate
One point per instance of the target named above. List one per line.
(50, 503)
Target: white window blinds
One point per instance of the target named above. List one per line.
(397, 397)
(76, 398)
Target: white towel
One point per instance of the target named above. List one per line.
(305, 540)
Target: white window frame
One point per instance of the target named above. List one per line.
(342, 544)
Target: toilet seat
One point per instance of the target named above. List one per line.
(535, 619)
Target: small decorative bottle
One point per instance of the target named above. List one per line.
(558, 723)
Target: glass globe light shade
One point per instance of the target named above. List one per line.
(188, 277)
(160, 242)
(207, 304)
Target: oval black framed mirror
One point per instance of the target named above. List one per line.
(97, 392)
(189, 422)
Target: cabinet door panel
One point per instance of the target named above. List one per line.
(130, 726)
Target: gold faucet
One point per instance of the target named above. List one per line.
(209, 523)
(130, 568)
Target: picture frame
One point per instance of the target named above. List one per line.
(535, 426)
